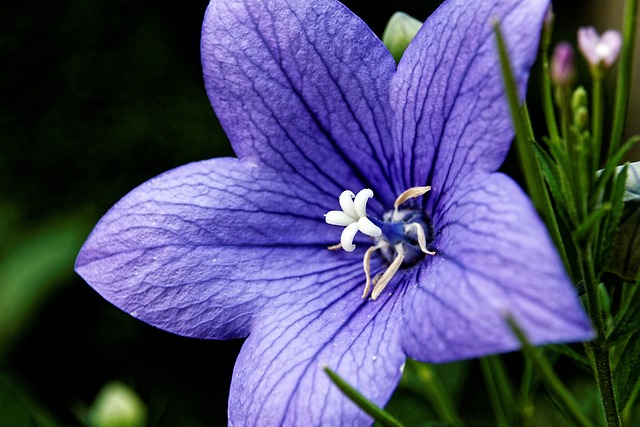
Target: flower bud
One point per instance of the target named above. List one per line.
(117, 405)
(562, 65)
(400, 30)
(549, 18)
(580, 108)
(579, 98)
(600, 51)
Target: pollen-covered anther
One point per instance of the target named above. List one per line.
(381, 281)
(353, 217)
(391, 271)
(422, 238)
(411, 193)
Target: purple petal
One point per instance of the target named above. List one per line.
(279, 377)
(493, 258)
(448, 96)
(302, 86)
(199, 249)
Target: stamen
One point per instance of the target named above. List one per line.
(335, 247)
(411, 193)
(388, 275)
(401, 230)
(366, 263)
(422, 239)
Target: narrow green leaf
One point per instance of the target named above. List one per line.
(565, 350)
(632, 186)
(556, 388)
(591, 223)
(19, 408)
(627, 372)
(524, 142)
(365, 404)
(627, 321)
(612, 167)
(625, 255)
(424, 380)
(546, 89)
(623, 247)
(625, 75)
(501, 391)
(34, 269)
(550, 172)
(612, 222)
(524, 136)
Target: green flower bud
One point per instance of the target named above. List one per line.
(581, 118)
(117, 405)
(400, 30)
(580, 99)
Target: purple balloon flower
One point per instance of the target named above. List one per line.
(316, 111)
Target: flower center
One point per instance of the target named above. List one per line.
(401, 236)
(602, 50)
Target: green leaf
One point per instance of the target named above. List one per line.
(551, 175)
(365, 404)
(34, 269)
(19, 408)
(426, 381)
(501, 391)
(632, 186)
(565, 350)
(399, 32)
(627, 321)
(524, 142)
(627, 372)
(623, 236)
(625, 257)
(563, 398)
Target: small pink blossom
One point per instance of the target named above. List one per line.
(599, 49)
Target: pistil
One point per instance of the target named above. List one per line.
(396, 235)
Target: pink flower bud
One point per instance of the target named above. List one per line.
(562, 65)
(600, 51)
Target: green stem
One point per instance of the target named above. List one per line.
(537, 187)
(546, 87)
(598, 348)
(553, 384)
(623, 86)
(495, 397)
(437, 395)
(604, 376)
(597, 119)
(532, 171)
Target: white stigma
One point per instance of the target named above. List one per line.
(353, 217)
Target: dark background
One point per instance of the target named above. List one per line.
(95, 98)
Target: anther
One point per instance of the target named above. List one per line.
(389, 273)
(422, 239)
(411, 193)
(366, 263)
